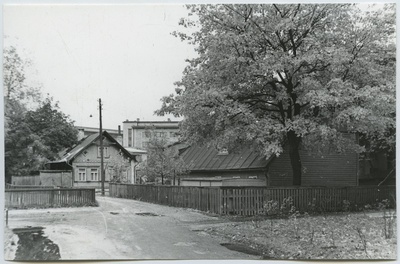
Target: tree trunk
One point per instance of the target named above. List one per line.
(294, 143)
(162, 179)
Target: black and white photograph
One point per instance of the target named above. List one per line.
(257, 132)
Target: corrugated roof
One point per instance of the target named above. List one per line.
(203, 158)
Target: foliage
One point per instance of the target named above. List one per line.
(54, 129)
(273, 208)
(18, 156)
(35, 129)
(163, 160)
(288, 74)
(14, 80)
(36, 136)
(118, 167)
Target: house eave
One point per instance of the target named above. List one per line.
(229, 170)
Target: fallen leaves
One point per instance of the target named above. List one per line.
(336, 236)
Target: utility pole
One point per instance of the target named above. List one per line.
(101, 151)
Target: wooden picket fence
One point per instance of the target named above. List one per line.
(249, 201)
(204, 199)
(49, 197)
(254, 200)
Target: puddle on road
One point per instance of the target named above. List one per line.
(33, 245)
(242, 248)
(148, 214)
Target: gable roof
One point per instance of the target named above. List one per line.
(204, 158)
(86, 142)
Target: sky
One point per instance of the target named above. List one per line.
(123, 54)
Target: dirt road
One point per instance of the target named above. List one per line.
(124, 229)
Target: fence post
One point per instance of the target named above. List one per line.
(7, 217)
(52, 197)
(230, 201)
(93, 196)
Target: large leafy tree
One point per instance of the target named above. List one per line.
(276, 75)
(36, 136)
(14, 79)
(53, 129)
(35, 129)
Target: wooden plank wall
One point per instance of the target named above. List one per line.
(56, 178)
(43, 198)
(26, 180)
(249, 201)
(318, 169)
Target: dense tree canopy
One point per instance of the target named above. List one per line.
(36, 136)
(35, 128)
(292, 74)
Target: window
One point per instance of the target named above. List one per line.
(82, 174)
(129, 137)
(106, 154)
(94, 174)
(161, 134)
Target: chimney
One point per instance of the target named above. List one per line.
(119, 130)
(137, 119)
(169, 119)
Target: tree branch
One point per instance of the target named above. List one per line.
(277, 9)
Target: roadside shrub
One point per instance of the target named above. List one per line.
(384, 204)
(367, 207)
(293, 216)
(271, 207)
(286, 206)
(346, 206)
(312, 206)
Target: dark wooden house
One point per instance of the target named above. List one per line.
(244, 167)
(210, 167)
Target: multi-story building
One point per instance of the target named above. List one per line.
(136, 133)
(84, 132)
